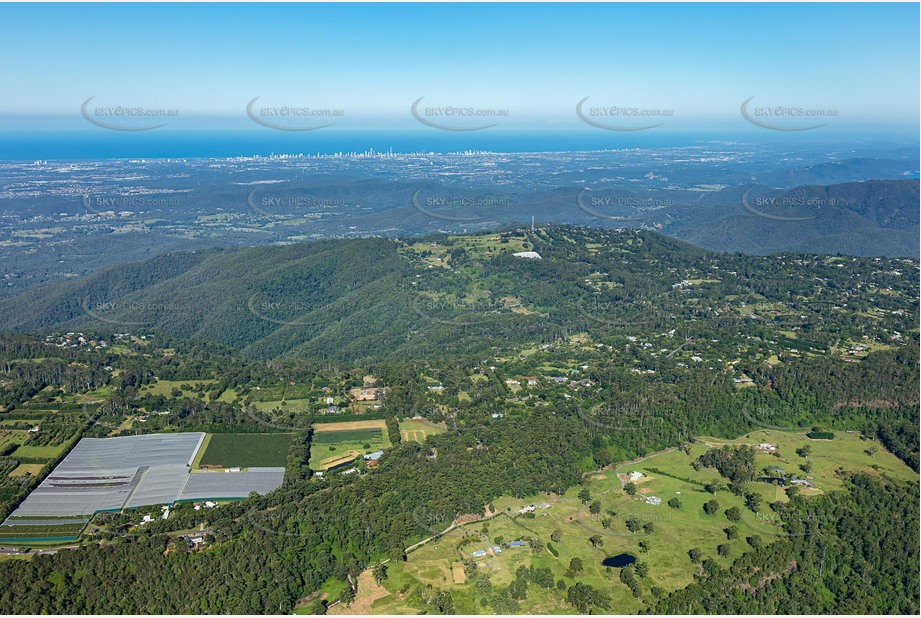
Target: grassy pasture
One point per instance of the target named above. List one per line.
(289, 405)
(332, 441)
(673, 533)
(418, 430)
(23, 469)
(165, 387)
(47, 452)
(11, 436)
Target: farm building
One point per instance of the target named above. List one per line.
(653, 500)
(516, 544)
(365, 393)
(478, 553)
(635, 476)
(374, 456)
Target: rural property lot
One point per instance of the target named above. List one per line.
(229, 450)
(664, 536)
(335, 443)
(324, 427)
(418, 430)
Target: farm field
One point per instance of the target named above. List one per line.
(23, 469)
(228, 395)
(246, 450)
(10, 436)
(418, 430)
(47, 452)
(332, 442)
(844, 451)
(39, 534)
(281, 392)
(289, 405)
(164, 387)
(667, 539)
(96, 396)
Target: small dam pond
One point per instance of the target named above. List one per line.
(620, 560)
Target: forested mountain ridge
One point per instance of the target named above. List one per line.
(872, 218)
(369, 298)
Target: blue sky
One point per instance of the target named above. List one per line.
(536, 61)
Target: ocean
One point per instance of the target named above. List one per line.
(100, 143)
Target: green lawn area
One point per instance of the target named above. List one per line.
(845, 451)
(164, 387)
(9, 436)
(228, 396)
(327, 445)
(47, 452)
(95, 396)
(290, 405)
(674, 531)
(419, 430)
(247, 449)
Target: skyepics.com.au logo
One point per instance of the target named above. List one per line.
(126, 118)
(286, 207)
(803, 314)
(286, 521)
(453, 311)
(615, 313)
(283, 313)
(621, 117)
(126, 207)
(616, 206)
(130, 312)
(794, 523)
(279, 418)
(292, 117)
(636, 522)
(795, 207)
(468, 208)
(639, 415)
(457, 118)
(768, 417)
(434, 521)
(786, 117)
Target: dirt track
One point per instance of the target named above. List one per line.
(345, 425)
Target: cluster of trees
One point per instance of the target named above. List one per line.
(27, 366)
(842, 553)
(297, 466)
(736, 463)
